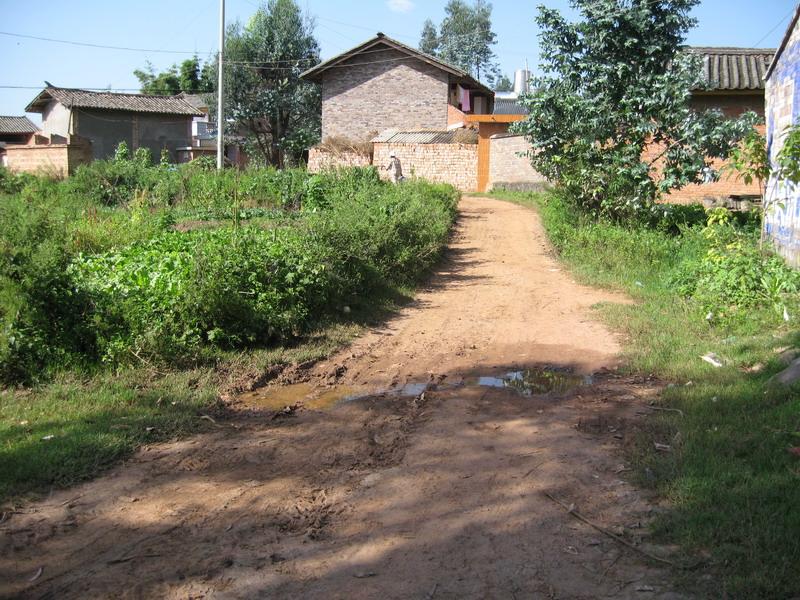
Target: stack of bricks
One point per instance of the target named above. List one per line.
(509, 166)
(456, 164)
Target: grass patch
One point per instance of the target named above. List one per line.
(733, 486)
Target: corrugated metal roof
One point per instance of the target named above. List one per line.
(455, 136)
(734, 68)
(508, 106)
(72, 98)
(17, 125)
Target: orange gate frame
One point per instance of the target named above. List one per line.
(488, 125)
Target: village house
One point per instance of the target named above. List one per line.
(384, 84)
(734, 84)
(80, 125)
(383, 97)
(15, 130)
(782, 209)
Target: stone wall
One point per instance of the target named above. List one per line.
(54, 159)
(321, 159)
(385, 89)
(507, 168)
(782, 220)
(456, 164)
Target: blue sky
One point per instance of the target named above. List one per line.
(183, 25)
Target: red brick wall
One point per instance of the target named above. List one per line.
(732, 105)
(52, 159)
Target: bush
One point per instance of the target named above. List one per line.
(81, 281)
(45, 319)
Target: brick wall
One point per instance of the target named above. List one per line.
(732, 104)
(320, 159)
(706, 193)
(54, 159)
(454, 115)
(509, 170)
(359, 102)
(782, 219)
(456, 164)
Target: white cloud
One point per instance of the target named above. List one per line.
(400, 6)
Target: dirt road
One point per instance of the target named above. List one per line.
(415, 468)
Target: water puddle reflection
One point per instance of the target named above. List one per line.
(529, 382)
(534, 382)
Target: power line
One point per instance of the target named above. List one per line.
(766, 35)
(90, 45)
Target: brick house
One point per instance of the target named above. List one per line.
(13, 131)
(782, 218)
(735, 82)
(384, 84)
(104, 119)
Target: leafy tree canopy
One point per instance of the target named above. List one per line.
(190, 76)
(429, 41)
(503, 84)
(465, 38)
(614, 82)
(264, 95)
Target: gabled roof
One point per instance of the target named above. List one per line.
(784, 42)
(17, 125)
(739, 69)
(73, 98)
(315, 73)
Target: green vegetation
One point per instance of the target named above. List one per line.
(131, 294)
(611, 120)
(701, 285)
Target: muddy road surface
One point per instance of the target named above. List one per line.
(424, 461)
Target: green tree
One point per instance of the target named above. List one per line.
(429, 40)
(465, 38)
(615, 82)
(503, 84)
(190, 77)
(265, 97)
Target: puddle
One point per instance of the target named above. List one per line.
(534, 382)
(530, 382)
(275, 398)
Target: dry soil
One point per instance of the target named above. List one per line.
(413, 464)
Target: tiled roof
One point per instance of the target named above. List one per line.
(315, 73)
(508, 106)
(734, 68)
(199, 101)
(17, 125)
(72, 98)
(454, 136)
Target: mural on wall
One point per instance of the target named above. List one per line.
(782, 218)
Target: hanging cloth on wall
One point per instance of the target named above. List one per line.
(464, 96)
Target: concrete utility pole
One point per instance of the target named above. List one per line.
(220, 107)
